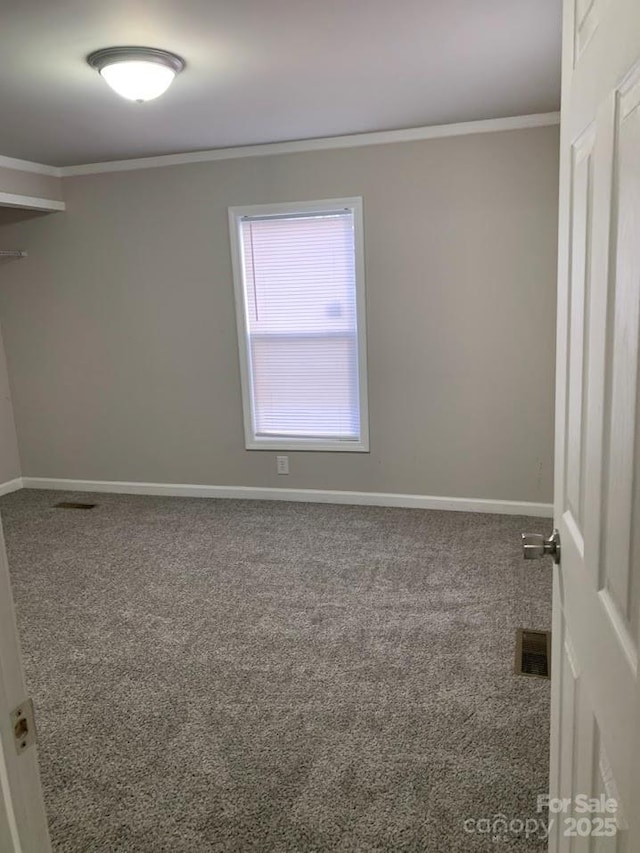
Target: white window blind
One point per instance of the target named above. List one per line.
(301, 313)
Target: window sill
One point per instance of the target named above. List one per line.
(312, 444)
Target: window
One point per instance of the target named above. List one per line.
(299, 283)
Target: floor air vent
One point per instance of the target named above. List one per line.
(533, 653)
(73, 505)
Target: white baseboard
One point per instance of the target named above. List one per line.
(11, 486)
(309, 495)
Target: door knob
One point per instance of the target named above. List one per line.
(534, 546)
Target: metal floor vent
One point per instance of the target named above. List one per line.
(533, 653)
(74, 505)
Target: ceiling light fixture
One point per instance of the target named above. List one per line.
(137, 73)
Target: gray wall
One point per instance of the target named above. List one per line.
(121, 337)
(19, 182)
(9, 458)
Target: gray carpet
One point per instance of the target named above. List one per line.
(218, 675)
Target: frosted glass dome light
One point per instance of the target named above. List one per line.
(137, 73)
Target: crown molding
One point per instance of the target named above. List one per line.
(28, 166)
(356, 140)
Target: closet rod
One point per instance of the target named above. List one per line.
(12, 253)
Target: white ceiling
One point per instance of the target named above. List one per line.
(268, 71)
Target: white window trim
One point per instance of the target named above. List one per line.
(235, 218)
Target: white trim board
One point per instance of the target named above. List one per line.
(381, 137)
(355, 140)
(29, 166)
(11, 486)
(259, 493)
(30, 202)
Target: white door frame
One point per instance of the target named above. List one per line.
(23, 821)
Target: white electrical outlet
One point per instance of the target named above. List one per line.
(282, 464)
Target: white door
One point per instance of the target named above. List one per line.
(595, 700)
(23, 824)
